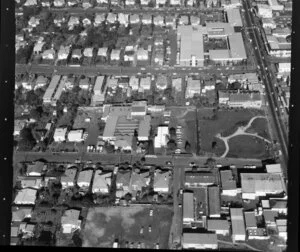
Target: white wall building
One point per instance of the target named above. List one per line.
(161, 139)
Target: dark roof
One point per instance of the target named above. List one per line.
(227, 180)
(250, 219)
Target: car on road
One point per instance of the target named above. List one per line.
(179, 205)
(149, 229)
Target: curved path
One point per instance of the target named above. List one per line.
(240, 131)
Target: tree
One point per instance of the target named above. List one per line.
(77, 239)
(172, 132)
(187, 146)
(27, 141)
(213, 144)
(128, 196)
(171, 145)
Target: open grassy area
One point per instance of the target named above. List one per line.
(224, 120)
(260, 126)
(247, 147)
(104, 225)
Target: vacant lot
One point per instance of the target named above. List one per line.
(224, 120)
(260, 126)
(247, 147)
(104, 225)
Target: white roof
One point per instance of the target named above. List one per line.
(102, 51)
(88, 52)
(273, 168)
(75, 134)
(101, 180)
(234, 17)
(85, 176)
(60, 132)
(26, 196)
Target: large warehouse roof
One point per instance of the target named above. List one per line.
(237, 221)
(237, 47)
(234, 17)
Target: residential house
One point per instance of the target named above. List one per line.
(73, 21)
(31, 182)
(86, 22)
(70, 221)
(183, 20)
(134, 19)
(76, 54)
(60, 134)
(193, 88)
(175, 2)
(147, 19)
(170, 21)
(220, 227)
(26, 196)
(75, 135)
(190, 3)
(30, 3)
(38, 47)
(45, 3)
(111, 17)
(103, 52)
(188, 208)
(71, 3)
(102, 182)
(49, 54)
(115, 54)
(28, 230)
(18, 126)
(21, 213)
(278, 205)
(228, 183)
(158, 20)
(123, 182)
(134, 82)
(130, 2)
(63, 52)
(161, 181)
(161, 82)
(123, 19)
(114, 2)
(160, 2)
(160, 139)
(86, 4)
(145, 83)
(129, 53)
(177, 84)
(59, 3)
(67, 179)
(99, 18)
(88, 54)
(84, 178)
(102, 1)
(36, 169)
(238, 224)
(199, 179)
(138, 108)
(145, 2)
(123, 143)
(282, 228)
(139, 180)
(199, 241)
(142, 54)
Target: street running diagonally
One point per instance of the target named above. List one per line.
(240, 131)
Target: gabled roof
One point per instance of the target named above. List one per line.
(20, 213)
(69, 175)
(140, 179)
(37, 167)
(85, 176)
(70, 217)
(123, 177)
(102, 180)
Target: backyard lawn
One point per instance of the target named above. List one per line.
(244, 146)
(104, 225)
(225, 119)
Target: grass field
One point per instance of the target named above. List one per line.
(260, 126)
(225, 119)
(247, 147)
(104, 225)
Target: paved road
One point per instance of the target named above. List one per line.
(179, 161)
(270, 92)
(117, 70)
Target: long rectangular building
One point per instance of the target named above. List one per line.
(188, 207)
(234, 17)
(99, 91)
(59, 90)
(47, 98)
(214, 204)
(237, 47)
(238, 224)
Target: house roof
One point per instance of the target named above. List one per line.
(161, 179)
(140, 179)
(26, 196)
(213, 225)
(199, 177)
(200, 238)
(85, 176)
(20, 213)
(102, 180)
(69, 175)
(261, 182)
(37, 167)
(227, 181)
(123, 177)
(70, 217)
(250, 219)
(124, 141)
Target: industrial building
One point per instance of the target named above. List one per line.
(260, 184)
(188, 207)
(238, 224)
(214, 204)
(199, 241)
(234, 17)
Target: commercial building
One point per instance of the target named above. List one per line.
(199, 179)
(161, 138)
(214, 204)
(161, 181)
(278, 46)
(275, 6)
(199, 241)
(138, 108)
(75, 135)
(234, 17)
(188, 207)
(264, 10)
(240, 99)
(250, 220)
(274, 168)
(260, 184)
(238, 224)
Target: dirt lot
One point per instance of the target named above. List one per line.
(247, 147)
(225, 119)
(104, 225)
